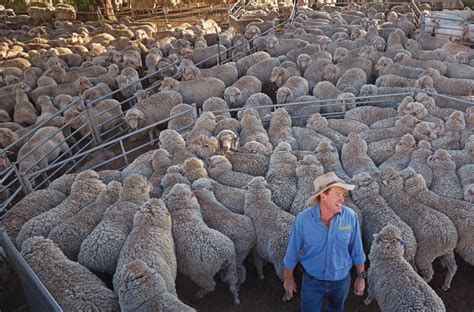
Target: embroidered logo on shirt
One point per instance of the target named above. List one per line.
(344, 227)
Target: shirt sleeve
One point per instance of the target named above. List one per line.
(356, 248)
(295, 243)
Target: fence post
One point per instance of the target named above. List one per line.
(165, 12)
(194, 111)
(218, 47)
(25, 182)
(93, 124)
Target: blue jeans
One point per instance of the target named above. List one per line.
(313, 292)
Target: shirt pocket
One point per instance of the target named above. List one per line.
(341, 248)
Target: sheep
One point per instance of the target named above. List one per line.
(69, 234)
(152, 109)
(263, 70)
(280, 75)
(220, 169)
(100, 250)
(319, 124)
(281, 176)
(386, 66)
(73, 88)
(61, 76)
(427, 131)
(307, 138)
(85, 189)
(277, 47)
(354, 158)
(246, 62)
(419, 161)
(226, 72)
(208, 56)
(451, 139)
(435, 233)
(252, 130)
(345, 127)
(272, 237)
(237, 227)
(402, 154)
(450, 86)
(142, 165)
(204, 126)
(144, 289)
(174, 143)
(174, 175)
(391, 277)
(195, 91)
(29, 207)
(255, 101)
(328, 156)
(369, 115)
(217, 106)
(377, 214)
(405, 59)
(313, 73)
(445, 180)
(25, 113)
(307, 170)
(280, 129)
(404, 125)
(193, 169)
(73, 286)
(395, 81)
(294, 88)
(237, 94)
(150, 241)
(4, 116)
(460, 212)
(49, 113)
(64, 183)
(423, 55)
(182, 117)
(465, 174)
(215, 251)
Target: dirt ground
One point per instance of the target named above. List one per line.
(265, 295)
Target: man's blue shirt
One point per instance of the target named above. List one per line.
(327, 253)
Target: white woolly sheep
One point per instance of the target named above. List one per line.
(255, 101)
(402, 153)
(458, 211)
(369, 115)
(280, 129)
(378, 214)
(272, 235)
(220, 169)
(29, 207)
(237, 94)
(387, 267)
(252, 130)
(73, 286)
(246, 62)
(25, 113)
(354, 158)
(101, 248)
(263, 70)
(151, 241)
(142, 165)
(144, 289)
(328, 156)
(174, 143)
(226, 72)
(307, 170)
(319, 124)
(435, 233)
(466, 174)
(217, 106)
(237, 227)
(192, 236)
(451, 86)
(195, 91)
(445, 180)
(293, 88)
(85, 189)
(204, 126)
(69, 234)
(182, 117)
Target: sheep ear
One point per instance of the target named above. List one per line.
(376, 237)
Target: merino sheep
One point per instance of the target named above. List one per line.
(377, 214)
(101, 248)
(217, 106)
(252, 130)
(237, 94)
(391, 277)
(86, 187)
(307, 170)
(144, 289)
(220, 169)
(174, 143)
(354, 156)
(327, 154)
(237, 227)
(293, 88)
(458, 211)
(450, 86)
(352, 81)
(435, 233)
(445, 180)
(69, 234)
(255, 101)
(195, 91)
(204, 126)
(29, 207)
(368, 115)
(25, 113)
(201, 252)
(319, 124)
(226, 72)
(402, 154)
(272, 225)
(151, 241)
(280, 129)
(72, 285)
(246, 62)
(263, 70)
(174, 175)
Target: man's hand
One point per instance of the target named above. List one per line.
(290, 287)
(359, 286)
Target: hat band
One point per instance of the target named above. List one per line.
(333, 182)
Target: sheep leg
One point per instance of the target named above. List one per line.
(230, 277)
(425, 268)
(448, 261)
(207, 285)
(258, 262)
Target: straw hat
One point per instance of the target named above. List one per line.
(324, 182)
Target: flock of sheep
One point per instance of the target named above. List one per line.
(230, 188)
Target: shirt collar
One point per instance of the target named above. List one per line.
(316, 213)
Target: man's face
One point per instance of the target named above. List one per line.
(333, 199)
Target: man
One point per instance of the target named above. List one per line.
(326, 240)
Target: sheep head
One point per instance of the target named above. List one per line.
(417, 110)
(316, 122)
(180, 197)
(232, 95)
(383, 63)
(379, 44)
(87, 184)
(191, 72)
(433, 73)
(218, 165)
(366, 186)
(153, 213)
(368, 90)
(346, 99)
(83, 84)
(426, 100)
(228, 140)
(111, 194)
(388, 244)
(133, 117)
(169, 83)
(135, 189)
(390, 182)
(161, 160)
(207, 146)
(324, 43)
(4, 116)
(271, 43)
(441, 160)
(455, 122)
(425, 131)
(7, 136)
(406, 145)
(309, 166)
(340, 54)
(284, 95)
(414, 182)
(277, 76)
(169, 138)
(304, 61)
(254, 147)
(401, 58)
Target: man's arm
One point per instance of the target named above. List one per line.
(289, 282)
(291, 258)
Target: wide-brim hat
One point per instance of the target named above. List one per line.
(325, 182)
